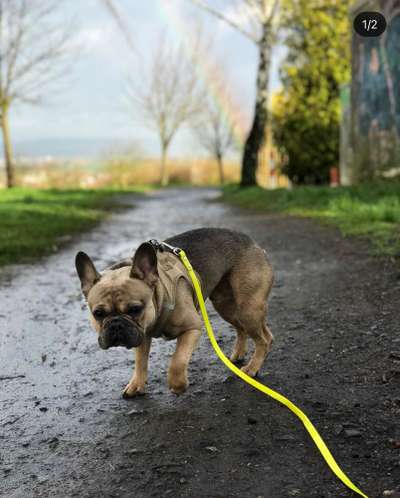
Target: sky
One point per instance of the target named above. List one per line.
(90, 104)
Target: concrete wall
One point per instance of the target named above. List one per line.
(371, 119)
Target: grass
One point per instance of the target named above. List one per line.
(34, 222)
(370, 210)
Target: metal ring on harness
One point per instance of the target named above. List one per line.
(162, 246)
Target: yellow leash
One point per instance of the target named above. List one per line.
(266, 390)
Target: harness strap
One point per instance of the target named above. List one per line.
(166, 310)
(170, 271)
(175, 267)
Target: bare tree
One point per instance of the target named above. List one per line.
(112, 8)
(257, 21)
(215, 134)
(168, 95)
(32, 46)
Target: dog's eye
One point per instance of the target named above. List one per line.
(135, 309)
(99, 314)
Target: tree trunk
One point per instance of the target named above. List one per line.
(164, 180)
(256, 136)
(8, 154)
(221, 169)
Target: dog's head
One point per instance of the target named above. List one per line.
(121, 300)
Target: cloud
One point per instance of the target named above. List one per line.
(93, 39)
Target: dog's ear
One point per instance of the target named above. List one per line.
(86, 271)
(144, 265)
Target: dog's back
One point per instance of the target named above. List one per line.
(212, 252)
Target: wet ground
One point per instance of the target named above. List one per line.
(65, 430)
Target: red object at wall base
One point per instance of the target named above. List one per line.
(334, 177)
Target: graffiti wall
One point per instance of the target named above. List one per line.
(373, 115)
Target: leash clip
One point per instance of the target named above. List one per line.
(168, 247)
(163, 246)
(157, 246)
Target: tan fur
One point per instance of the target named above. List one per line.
(137, 384)
(115, 290)
(177, 373)
(239, 297)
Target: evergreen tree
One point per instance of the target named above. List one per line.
(307, 110)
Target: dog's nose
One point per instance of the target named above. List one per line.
(116, 331)
(119, 332)
(116, 326)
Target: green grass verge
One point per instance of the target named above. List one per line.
(371, 210)
(33, 222)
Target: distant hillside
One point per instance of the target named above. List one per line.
(69, 147)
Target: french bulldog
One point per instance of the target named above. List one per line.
(150, 295)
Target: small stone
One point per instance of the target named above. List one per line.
(182, 480)
(43, 409)
(212, 449)
(395, 443)
(352, 433)
(53, 442)
(285, 437)
(136, 412)
(337, 429)
(318, 405)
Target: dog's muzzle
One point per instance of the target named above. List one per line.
(120, 331)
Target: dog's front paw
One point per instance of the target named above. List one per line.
(179, 388)
(178, 383)
(237, 359)
(250, 370)
(133, 389)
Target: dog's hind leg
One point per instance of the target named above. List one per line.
(254, 327)
(225, 305)
(240, 347)
(268, 335)
(251, 280)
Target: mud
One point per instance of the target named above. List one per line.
(65, 431)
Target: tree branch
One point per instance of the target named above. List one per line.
(112, 9)
(274, 10)
(203, 5)
(29, 61)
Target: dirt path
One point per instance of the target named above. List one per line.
(65, 431)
